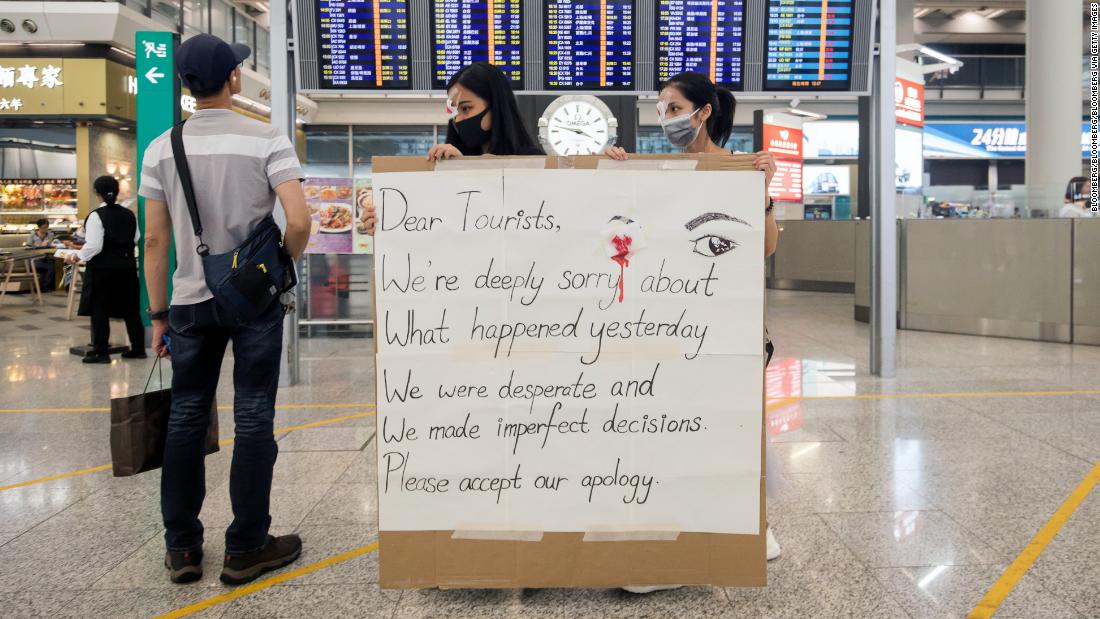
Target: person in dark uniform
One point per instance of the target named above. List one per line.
(110, 278)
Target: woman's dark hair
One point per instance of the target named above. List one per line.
(507, 136)
(697, 88)
(1073, 187)
(42, 222)
(107, 188)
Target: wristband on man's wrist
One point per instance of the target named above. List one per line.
(771, 205)
(157, 315)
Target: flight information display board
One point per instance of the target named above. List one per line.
(589, 44)
(809, 45)
(363, 44)
(466, 31)
(707, 36)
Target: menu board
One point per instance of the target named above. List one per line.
(331, 212)
(707, 36)
(589, 44)
(363, 44)
(466, 31)
(784, 142)
(809, 45)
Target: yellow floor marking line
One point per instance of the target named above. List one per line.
(260, 585)
(41, 480)
(320, 565)
(866, 396)
(229, 441)
(774, 404)
(965, 394)
(221, 408)
(1012, 575)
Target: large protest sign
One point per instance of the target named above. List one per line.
(569, 351)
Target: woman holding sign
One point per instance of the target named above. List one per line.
(697, 117)
(485, 119)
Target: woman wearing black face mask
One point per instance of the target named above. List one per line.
(485, 119)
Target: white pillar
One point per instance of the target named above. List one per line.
(884, 257)
(905, 31)
(283, 102)
(1053, 103)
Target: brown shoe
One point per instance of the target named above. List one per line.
(278, 552)
(184, 567)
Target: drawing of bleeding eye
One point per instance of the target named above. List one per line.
(712, 245)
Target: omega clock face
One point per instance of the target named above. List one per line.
(577, 125)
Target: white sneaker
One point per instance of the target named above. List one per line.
(773, 546)
(651, 589)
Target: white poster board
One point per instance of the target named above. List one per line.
(519, 390)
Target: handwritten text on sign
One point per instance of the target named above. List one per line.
(569, 350)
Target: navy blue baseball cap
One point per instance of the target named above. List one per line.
(204, 61)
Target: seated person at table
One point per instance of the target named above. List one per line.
(110, 278)
(43, 238)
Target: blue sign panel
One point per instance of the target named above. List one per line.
(982, 140)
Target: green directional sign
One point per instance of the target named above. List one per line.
(158, 95)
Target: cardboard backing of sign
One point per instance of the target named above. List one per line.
(420, 559)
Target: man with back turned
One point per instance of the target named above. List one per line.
(238, 167)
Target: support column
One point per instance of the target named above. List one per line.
(283, 117)
(905, 30)
(1053, 104)
(84, 192)
(884, 258)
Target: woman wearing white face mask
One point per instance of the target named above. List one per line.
(697, 117)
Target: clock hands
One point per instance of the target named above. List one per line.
(577, 131)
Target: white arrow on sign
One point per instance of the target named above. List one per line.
(153, 74)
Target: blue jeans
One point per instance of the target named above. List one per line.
(198, 339)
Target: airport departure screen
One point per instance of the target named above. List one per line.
(363, 44)
(589, 44)
(707, 36)
(466, 31)
(809, 45)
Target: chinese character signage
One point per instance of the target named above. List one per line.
(31, 85)
(782, 137)
(987, 140)
(909, 102)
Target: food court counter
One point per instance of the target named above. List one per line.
(1034, 279)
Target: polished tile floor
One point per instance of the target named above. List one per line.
(890, 506)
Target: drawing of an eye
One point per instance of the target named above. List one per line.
(712, 245)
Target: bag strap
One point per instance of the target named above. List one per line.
(184, 171)
(156, 366)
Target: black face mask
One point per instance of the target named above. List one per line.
(470, 131)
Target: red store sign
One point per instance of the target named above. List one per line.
(785, 144)
(909, 102)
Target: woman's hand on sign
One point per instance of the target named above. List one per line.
(366, 218)
(443, 151)
(765, 162)
(72, 258)
(618, 153)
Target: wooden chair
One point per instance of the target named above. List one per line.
(76, 282)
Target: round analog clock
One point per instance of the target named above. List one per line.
(577, 125)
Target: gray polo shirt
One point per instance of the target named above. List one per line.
(236, 162)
